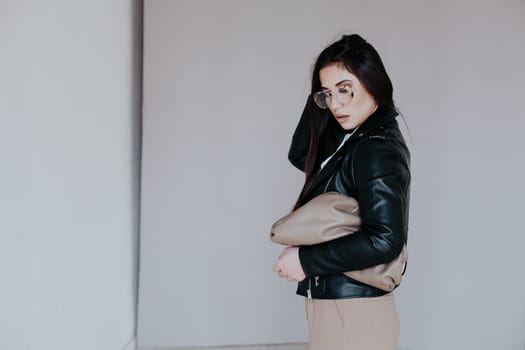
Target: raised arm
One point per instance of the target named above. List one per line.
(301, 138)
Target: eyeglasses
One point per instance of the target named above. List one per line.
(324, 98)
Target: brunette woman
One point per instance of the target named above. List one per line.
(348, 141)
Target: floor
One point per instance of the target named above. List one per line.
(296, 346)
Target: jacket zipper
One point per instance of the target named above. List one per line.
(309, 291)
(328, 182)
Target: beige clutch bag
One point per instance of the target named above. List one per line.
(329, 216)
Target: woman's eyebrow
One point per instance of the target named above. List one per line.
(339, 83)
(342, 81)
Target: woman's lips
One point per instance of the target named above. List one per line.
(341, 118)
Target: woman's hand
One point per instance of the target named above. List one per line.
(289, 265)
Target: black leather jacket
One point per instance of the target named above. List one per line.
(373, 167)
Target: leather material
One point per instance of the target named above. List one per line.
(372, 167)
(341, 286)
(329, 216)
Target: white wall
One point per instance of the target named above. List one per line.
(225, 83)
(69, 145)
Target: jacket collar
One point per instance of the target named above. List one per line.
(380, 116)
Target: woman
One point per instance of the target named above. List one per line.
(349, 141)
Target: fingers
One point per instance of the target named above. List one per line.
(276, 267)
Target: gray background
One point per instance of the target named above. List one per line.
(224, 85)
(70, 93)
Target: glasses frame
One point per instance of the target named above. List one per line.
(344, 98)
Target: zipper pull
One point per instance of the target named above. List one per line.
(316, 281)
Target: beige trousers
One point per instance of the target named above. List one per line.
(353, 323)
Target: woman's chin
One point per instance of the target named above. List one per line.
(348, 125)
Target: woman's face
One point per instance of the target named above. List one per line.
(349, 111)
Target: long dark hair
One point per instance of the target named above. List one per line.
(361, 59)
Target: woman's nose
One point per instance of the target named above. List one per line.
(334, 102)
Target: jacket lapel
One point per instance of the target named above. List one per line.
(379, 117)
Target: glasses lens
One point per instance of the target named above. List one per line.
(344, 95)
(320, 99)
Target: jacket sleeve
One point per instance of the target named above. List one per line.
(301, 138)
(382, 183)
